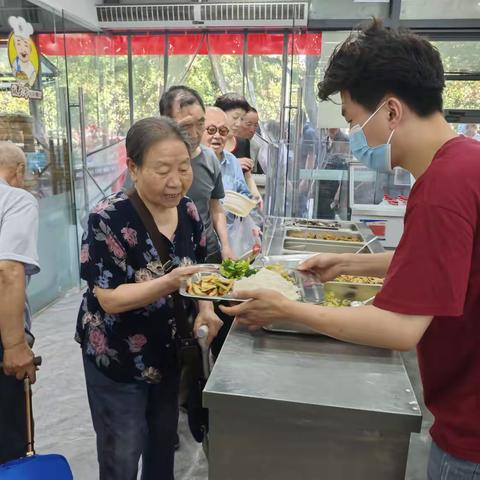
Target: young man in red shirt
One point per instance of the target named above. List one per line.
(391, 85)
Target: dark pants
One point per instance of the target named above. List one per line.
(219, 340)
(133, 420)
(13, 430)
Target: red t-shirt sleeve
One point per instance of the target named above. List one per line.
(430, 270)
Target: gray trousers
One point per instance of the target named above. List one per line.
(133, 420)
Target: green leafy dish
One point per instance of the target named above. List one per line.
(236, 269)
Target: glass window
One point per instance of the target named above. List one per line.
(39, 127)
(459, 56)
(439, 9)
(226, 56)
(348, 9)
(462, 94)
(189, 64)
(305, 55)
(147, 72)
(264, 84)
(99, 64)
(200, 76)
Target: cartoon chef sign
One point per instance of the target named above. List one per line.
(23, 57)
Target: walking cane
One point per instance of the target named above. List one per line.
(202, 336)
(37, 361)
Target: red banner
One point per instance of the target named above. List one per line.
(74, 44)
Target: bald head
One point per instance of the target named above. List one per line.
(216, 130)
(215, 111)
(12, 164)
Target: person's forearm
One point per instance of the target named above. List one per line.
(252, 186)
(220, 225)
(375, 264)
(131, 296)
(12, 304)
(363, 325)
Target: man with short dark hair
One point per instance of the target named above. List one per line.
(391, 84)
(186, 107)
(250, 126)
(18, 260)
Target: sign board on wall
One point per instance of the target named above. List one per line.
(23, 58)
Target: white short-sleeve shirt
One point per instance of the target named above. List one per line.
(19, 230)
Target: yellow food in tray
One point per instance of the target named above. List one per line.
(331, 300)
(322, 236)
(210, 285)
(275, 267)
(359, 279)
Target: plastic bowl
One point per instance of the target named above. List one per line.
(238, 204)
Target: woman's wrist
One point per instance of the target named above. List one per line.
(167, 284)
(205, 306)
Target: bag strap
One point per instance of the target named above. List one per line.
(162, 246)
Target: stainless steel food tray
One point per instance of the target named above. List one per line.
(309, 289)
(297, 246)
(348, 291)
(379, 284)
(359, 239)
(289, 262)
(351, 291)
(334, 225)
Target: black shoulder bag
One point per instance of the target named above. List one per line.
(189, 354)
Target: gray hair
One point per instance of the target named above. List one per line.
(10, 154)
(148, 131)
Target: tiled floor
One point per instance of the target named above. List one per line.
(62, 416)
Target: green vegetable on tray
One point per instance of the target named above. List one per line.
(236, 269)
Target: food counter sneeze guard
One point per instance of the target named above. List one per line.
(379, 200)
(295, 406)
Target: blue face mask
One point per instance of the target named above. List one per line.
(376, 158)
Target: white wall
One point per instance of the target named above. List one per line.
(80, 11)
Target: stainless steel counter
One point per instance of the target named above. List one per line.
(309, 407)
(357, 383)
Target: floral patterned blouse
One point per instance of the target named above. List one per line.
(137, 345)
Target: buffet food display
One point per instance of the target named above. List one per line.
(234, 275)
(310, 234)
(359, 279)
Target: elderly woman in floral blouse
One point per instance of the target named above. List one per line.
(126, 323)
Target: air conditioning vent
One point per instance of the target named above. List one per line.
(233, 15)
(123, 14)
(255, 12)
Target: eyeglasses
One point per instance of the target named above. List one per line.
(212, 130)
